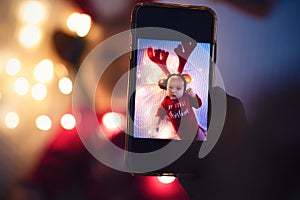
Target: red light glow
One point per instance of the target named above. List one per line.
(154, 188)
(166, 179)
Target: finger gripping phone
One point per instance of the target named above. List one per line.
(173, 47)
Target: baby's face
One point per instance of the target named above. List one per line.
(175, 87)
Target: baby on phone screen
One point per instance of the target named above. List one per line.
(177, 106)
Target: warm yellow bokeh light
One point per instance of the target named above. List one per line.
(68, 121)
(166, 179)
(80, 23)
(12, 120)
(21, 86)
(61, 70)
(43, 122)
(39, 91)
(33, 12)
(84, 25)
(13, 66)
(65, 85)
(72, 21)
(30, 36)
(113, 120)
(43, 72)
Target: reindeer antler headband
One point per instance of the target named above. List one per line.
(159, 57)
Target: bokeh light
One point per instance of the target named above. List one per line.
(61, 70)
(13, 66)
(11, 120)
(72, 21)
(43, 72)
(30, 36)
(68, 121)
(65, 85)
(79, 23)
(154, 188)
(33, 12)
(39, 91)
(166, 179)
(43, 122)
(84, 25)
(113, 120)
(21, 86)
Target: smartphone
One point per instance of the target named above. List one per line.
(173, 48)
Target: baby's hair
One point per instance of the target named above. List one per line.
(163, 83)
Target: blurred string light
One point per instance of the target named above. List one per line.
(79, 23)
(21, 86)
(33, 12)
(39, 91)
(72, 21)
(113, 120)
(61, 70)
(43, 122)
(65, 85)
(12, 120)
(13, 66)
(68, 121)
(43, 72)
(166, 179)
(154, 187)
(30, 36)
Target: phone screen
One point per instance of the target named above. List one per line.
(158, 112)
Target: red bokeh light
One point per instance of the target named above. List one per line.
(154, 188)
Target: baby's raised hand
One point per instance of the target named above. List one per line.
(190, 92)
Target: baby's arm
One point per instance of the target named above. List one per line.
(157, 121)
(195, 100)
(190, 92)
(160, 115)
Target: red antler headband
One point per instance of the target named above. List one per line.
(159, 57)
